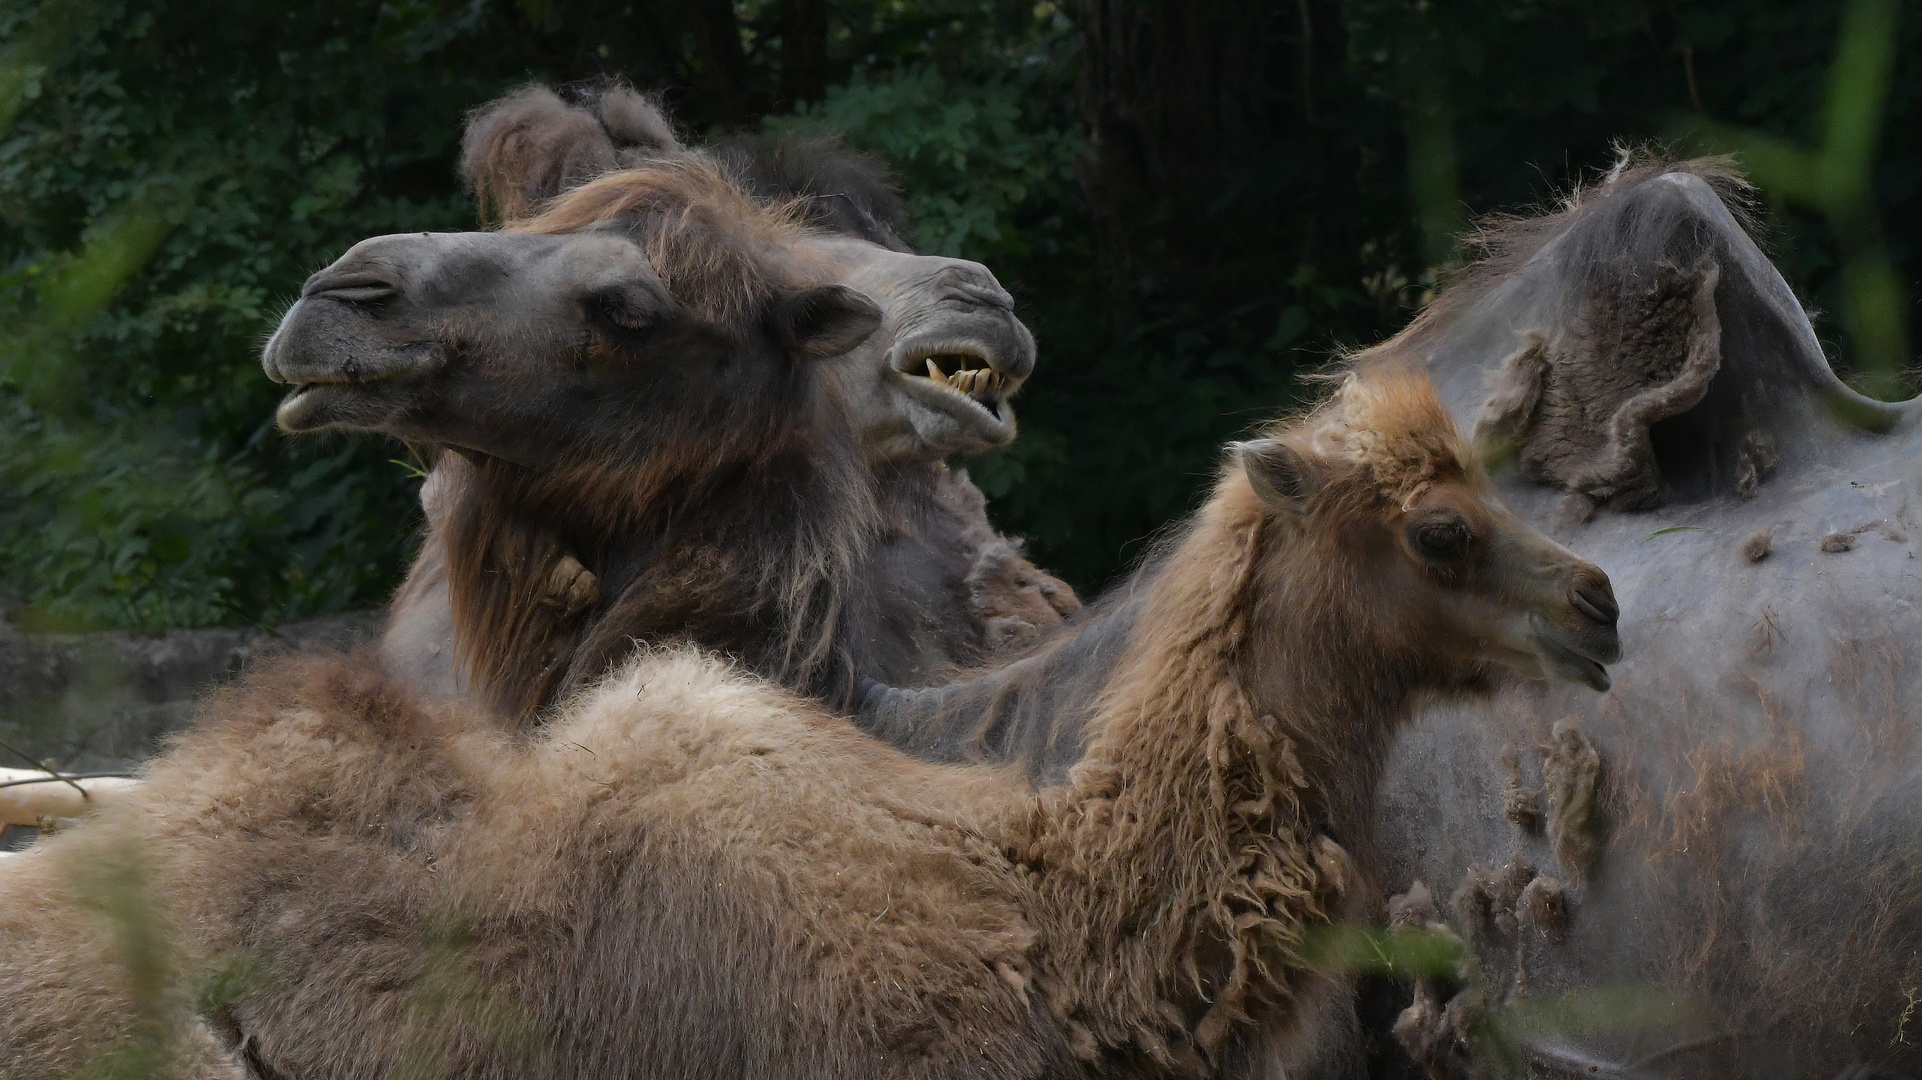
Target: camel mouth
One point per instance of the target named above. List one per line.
(965, 385)
(1584, 663)
(318, 404)
(967, 374)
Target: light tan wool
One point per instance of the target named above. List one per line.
(692, 873)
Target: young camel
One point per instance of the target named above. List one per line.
(692, 873)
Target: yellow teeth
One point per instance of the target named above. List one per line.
(967, 380)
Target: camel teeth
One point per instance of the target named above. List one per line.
(967, 380)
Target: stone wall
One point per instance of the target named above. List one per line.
(102, 701)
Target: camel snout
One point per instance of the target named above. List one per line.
(1592, 598)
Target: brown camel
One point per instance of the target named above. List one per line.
(725, 503)
(946, 590)
(688, 872)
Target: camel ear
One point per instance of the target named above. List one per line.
(1280, 475)
(825, 321)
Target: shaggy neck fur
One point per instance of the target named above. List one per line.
(1192, 831)
(754, 558)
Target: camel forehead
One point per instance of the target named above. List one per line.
(458, 266)
(886, 274)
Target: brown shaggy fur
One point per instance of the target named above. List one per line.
(765, 574)
(693, 873)
(710, 565)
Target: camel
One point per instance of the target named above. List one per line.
(932, 381)
(690, 872)
(1733, 828)
(1658, 400)
(750, 547)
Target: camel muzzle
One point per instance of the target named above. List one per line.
(340, 363)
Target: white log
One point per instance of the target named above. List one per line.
(26, 804)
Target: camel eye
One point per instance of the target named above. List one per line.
(615, 312)
(1442, 539)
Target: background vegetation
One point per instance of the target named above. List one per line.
(1192, 200)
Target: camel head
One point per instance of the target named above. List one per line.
(1391, 501)
(937, 376)
(651, 323)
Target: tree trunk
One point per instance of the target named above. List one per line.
(804, 51)
(1202, 130)
(724, 75)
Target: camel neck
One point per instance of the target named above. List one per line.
(763, 568)
(756, 561)
(1191, 842)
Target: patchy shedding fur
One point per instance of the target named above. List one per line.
(1630, 337)
(1571, 773)
(685, 850)
(1521, 804)
(1579, 406)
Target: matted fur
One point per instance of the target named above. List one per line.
(690, 872)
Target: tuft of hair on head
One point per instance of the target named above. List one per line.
(1388, 419)
(708, 240)
(1385, 422)
(528, 147)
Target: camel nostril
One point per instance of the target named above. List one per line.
(359, 287)
(1595, 600)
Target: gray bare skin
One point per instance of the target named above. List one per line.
(1751, 848)
(1722, 852)
(955, 591)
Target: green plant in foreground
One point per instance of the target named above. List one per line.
(1837, 179)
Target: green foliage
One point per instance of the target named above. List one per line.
(170, 172)
(972, 153)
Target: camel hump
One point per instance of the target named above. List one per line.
(534, 143)
(1637, 347)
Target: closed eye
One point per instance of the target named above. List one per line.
(614, 312)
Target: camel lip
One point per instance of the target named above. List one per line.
(316, 404)
(989, 414)
(1574, 664)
